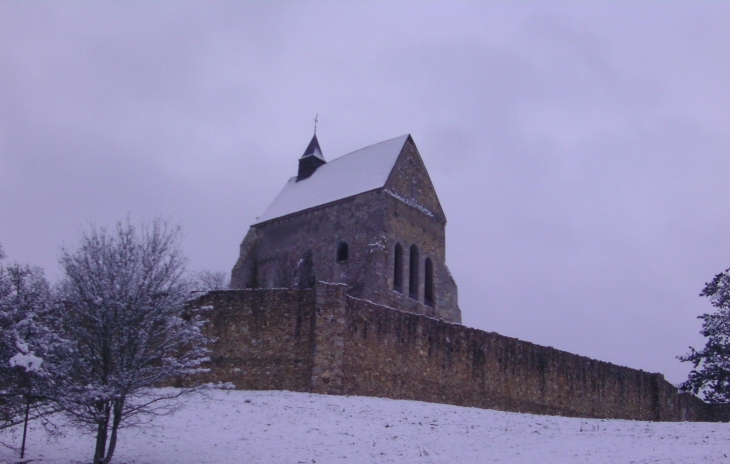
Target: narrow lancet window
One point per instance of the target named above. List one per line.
(398, 269)
(428, 287)
(343, 253)
(413, 280)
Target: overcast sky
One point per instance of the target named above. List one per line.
(581, 151)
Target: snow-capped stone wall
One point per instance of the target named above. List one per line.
(324, 340)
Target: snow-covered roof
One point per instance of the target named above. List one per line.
(357, 172)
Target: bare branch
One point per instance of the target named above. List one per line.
(123, 293)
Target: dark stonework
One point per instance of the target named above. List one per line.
(262, 339)
(324, 341)
(330, 331)
(295, 250)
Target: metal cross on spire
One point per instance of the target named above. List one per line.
(315, 123)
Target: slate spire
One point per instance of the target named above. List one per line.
(310, 160)
(313, 149)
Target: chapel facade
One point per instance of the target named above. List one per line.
(370, 219)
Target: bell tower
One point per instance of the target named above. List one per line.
(310, 160)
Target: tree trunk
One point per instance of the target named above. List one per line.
(116, 420)
(100, 443)
(25, 426)
(101, 434)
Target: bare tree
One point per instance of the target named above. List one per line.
(206, 281)
(122, 297)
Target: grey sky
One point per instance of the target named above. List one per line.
(580, 151)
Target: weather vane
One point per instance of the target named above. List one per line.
(315, 123)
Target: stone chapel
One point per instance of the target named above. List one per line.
(369, 219)
(341, 287)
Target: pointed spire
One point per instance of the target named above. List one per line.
(313, 149)
(310, 160)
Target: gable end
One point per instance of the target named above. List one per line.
(410, 183)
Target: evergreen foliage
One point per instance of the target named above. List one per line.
(711, 372)
(29, 349)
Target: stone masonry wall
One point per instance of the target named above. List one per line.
(325, 341)
(409, 226)
(276, 251)
(273, 255)
(330, 333)
(404, 356)
(263, 338)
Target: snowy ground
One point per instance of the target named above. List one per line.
(284, 427)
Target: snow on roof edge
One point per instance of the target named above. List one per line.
(311, 208)
(404, 136)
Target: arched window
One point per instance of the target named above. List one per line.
(398, 269)
(413, 280)
(342, 252)
(428, 287)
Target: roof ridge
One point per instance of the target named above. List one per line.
(369, 146)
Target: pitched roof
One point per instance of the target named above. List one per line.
(357, 172)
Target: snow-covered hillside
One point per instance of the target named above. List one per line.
(284, 427)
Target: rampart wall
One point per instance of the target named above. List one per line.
(324, 341)
(263, 338)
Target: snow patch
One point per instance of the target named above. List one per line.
(410, 202)
(28, 361)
